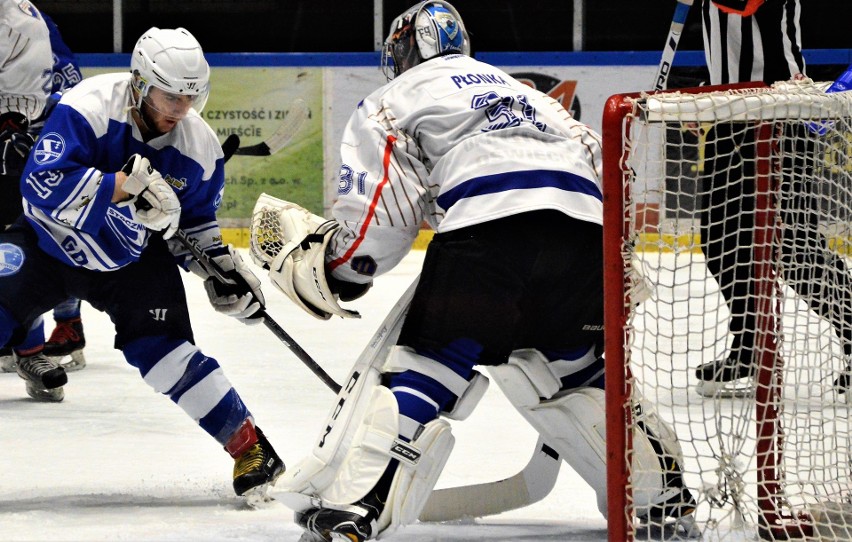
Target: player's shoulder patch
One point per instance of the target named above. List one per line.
(11, 259)
(48, 148)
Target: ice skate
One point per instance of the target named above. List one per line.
(676, 514)
(66, 343)
(354, 523)
(44, 377)
(729, 377)
(256, 466)
(7, 360)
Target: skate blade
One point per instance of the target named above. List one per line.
(7, 364)
(55, 395)
(684, 528)
(74, 361)
(309, 536)
(259, 497)
(725, 390)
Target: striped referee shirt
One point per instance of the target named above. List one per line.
(764, 47)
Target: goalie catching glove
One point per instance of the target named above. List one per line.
(237, 293)
(291, 242)
(157, 205)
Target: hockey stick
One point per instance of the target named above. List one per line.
(214, 270)
(678, 20)
(293, 121)
(533, 483)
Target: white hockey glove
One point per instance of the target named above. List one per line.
(291, 242)
(157, 205)
(240, 295)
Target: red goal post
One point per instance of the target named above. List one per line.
(775, 462)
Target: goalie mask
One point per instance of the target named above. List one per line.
(427, 30)
(171, 61)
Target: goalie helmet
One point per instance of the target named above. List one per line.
(425, 31)
(171, 60)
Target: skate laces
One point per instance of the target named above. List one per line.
(65, 332)
(37, 364)
(251, 460)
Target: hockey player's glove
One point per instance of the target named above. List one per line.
(15, 143)
(157, 206)
(240, 296)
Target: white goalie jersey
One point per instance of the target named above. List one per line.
(454, 142)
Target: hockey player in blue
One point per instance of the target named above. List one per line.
(112, 141)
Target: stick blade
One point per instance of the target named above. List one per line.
(528, 486)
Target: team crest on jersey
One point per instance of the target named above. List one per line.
(11, 259)
(177, 184)
(48, 148)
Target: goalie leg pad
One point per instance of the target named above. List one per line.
(354, 448)
(573, 422)
(413, 482)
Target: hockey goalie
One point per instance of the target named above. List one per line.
(512, 281)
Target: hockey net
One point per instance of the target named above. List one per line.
(768, 171)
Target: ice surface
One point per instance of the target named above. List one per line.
(117, 462)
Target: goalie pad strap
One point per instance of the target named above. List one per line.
(535, 367)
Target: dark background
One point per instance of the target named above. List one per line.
(347, 26)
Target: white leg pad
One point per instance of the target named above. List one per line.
(413, 484)
(573, 422)
(354, 448)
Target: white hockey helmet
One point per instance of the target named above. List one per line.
(171, 60)
(427, 30)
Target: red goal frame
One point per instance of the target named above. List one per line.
(774, 522)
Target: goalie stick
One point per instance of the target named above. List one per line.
(678, 20)
(533, 483)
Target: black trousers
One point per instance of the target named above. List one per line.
(814, 271)
(143, 299)
(532, 280)
(10, 199)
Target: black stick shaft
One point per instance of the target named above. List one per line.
(214, 270)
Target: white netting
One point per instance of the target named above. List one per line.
(750, 189)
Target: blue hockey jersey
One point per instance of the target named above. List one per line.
(69, 178)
